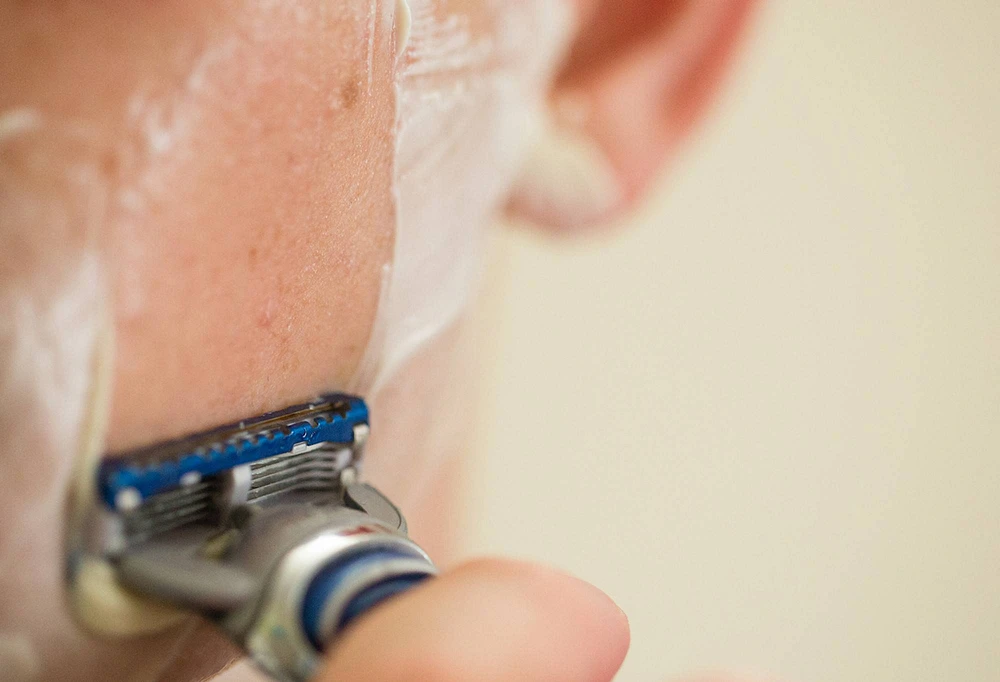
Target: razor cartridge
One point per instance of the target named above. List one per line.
(260, 526)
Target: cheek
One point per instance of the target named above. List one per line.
(254, 221)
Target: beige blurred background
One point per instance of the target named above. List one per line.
(766, 418)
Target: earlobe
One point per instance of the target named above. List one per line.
(567, 181)
(640, 75)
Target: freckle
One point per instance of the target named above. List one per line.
(252, 254)
(349, 93)
(109, 164)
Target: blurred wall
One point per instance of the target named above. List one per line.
(766, 418)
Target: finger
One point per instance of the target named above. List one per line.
(487, 621)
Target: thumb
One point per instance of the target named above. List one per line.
(486, 621)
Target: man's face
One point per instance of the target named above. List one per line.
(251, 203)
(231, 181)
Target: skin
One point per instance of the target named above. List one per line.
(243, 155)
(318, 165)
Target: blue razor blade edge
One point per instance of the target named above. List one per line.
(158, 468)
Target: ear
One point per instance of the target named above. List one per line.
(639, 76)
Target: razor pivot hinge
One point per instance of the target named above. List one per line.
(261, 526)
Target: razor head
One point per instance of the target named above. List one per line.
(203, 478)
(128, 479)
(260, 526)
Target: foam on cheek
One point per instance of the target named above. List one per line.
(51, 291)
(466, 106)
(160, 128)
(471, 86)
(51, 294)
(59, 189)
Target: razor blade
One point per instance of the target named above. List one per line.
(202, 477)
(260, 526)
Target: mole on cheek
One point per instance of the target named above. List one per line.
(109, 166)
(349, 92)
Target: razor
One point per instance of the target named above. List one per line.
(261, 526)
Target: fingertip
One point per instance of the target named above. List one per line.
(488, 621)
(597, 619)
